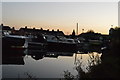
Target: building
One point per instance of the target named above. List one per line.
(30, 31)
(6, 29)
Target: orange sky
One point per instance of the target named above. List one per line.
(98, 16)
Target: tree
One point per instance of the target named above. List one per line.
(90, 31)
(57, 30)
(47, 29)
(73, 33)
(41, 29)
(13, 28)
(52, 30)
(25, 27)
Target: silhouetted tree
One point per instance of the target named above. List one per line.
(115, 37)
(13, 28)
(2, 25)
(90, 31)
(34, 28)
(41, 29)
(25, 27)
(82, 30)
(57, 30)
(47, 29)
(52, 30)
(73, 33)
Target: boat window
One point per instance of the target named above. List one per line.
(69, 40)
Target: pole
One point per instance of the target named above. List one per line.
(77, 29)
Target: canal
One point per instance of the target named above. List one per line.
(20, 64)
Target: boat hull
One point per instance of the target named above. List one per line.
(36, 46)
(10, 42)
(61, 47)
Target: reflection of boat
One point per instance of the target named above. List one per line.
(65, 53)
(14, 57)
(13, 60)
(14, 41)
(56, 54)
(51, 55)
(60, 43)
(35, 54)
(33, 51)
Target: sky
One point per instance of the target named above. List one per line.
(119, 13)
(98, 16)
(59, 0)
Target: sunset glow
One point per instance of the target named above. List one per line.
(98, 16)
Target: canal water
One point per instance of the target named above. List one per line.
(18, 64)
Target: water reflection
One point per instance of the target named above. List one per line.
(13, 57)
(84, 61)
(47, 64)
(37, 55)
